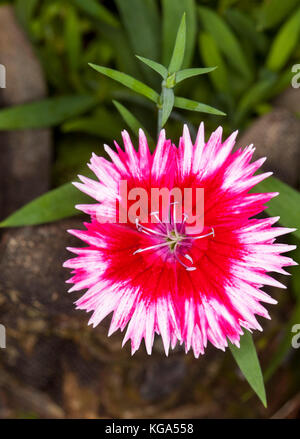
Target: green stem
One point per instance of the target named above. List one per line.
(159, 120)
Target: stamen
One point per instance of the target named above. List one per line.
(182, 263)
(140, 250)
(185, 218)
(189, 258)
(146, 229)
(174, 217)
(204, 236)
(172, 238)
(155, 214)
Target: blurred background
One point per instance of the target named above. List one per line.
(54, 112)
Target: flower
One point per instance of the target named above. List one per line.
(158, 277)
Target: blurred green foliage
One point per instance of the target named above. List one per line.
(253, 43)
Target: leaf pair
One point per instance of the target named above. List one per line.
(171, 77)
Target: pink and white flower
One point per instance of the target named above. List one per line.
(156, 277)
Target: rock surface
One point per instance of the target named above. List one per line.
(25, 155)
(289, 99)
(55, 365)
(276, 135)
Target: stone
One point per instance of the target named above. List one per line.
(43, 352)
(162, 377)
(31, 273)
(276, 135)
(289, 99)
(56, 366)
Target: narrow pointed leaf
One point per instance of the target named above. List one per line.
(103, 123)
(253, 96)
(95, 10)
(54, 205)
(247, 360)
(122, 49)
(245, 27)
(168, 103)
(128, 81)
(72, 36)
(141, 21)
(159, 68)
(211, 55)
(45, 113)
(179, 48)
(133, 123)
(142, 24)
(273, 12)
(284, 42)
(188, 104)
(189, 73)
(172, 11)
(225, 39)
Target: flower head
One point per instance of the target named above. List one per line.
(188, 283)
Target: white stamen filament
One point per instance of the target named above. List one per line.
(146, 229)
(204, 236)
(140, 250)
(155, 214)
(174, 218)
(182, 263)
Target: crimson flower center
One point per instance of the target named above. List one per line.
(171, 236)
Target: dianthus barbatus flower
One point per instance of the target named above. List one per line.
(157, 277)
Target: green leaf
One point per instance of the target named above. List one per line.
(123, 52)
(189, 73)
(54, 205)
(245, 27)
(133, 123)
(142, 25)
(103, 123)
(45, 113)
(167, 104)
(247, 360)
(225, 39)
(212, 56)
(253, 96)
(72, 153)
(159, 68)
(188, 104)
(286, 204)
(73, 38)
(172, 15)
(97, 11)
(283, 81)
(273, 12)
(179, 48)
(24, 12)
(284, 42)
(128, 81)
